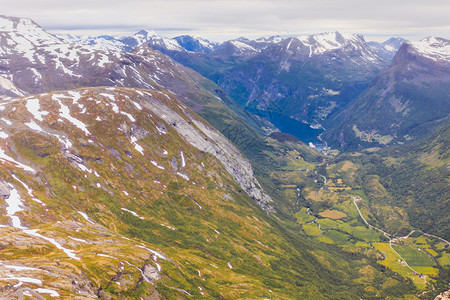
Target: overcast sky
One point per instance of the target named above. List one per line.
(220, 20)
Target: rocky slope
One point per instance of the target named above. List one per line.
(404, 102)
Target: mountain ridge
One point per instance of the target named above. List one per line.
(404, 102)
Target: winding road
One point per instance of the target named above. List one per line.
(385, 233)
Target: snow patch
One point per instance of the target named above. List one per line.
(70, 253)
(133, 213)
(33, 107)
(183, 162)
(183, 175)
(22, 279)
(48, 291)
(86, 217)
(5, 157)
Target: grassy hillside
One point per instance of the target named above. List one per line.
(135, 210)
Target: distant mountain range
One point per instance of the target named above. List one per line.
(307, 78)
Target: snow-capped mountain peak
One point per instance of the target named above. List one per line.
(388, 48)
(24, 33)
(243, 47)
(144, 35)
(195, 43)
(328, 41)
(273, 39)
(435, 48)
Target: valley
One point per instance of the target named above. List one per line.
(145, 167)
(332, 212)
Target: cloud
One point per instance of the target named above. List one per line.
(223, 19)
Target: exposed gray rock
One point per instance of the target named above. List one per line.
(207, 139)
(174, 164)
(151, 273)
(5, 190)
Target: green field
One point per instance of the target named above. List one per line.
(444, 260)
(336, 237)
(303, 217)
(359, 232)
(413, 256)
(312, 229)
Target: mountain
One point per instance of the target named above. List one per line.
(102, 42)
(195, 44)
(128, 43)
(34, 61)
(388, 48)
(123, 188)
(126, 193)
(332, 68)
(404, 102)
(306, 78)
(116, 43)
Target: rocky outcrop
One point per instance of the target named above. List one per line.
(207, 139)
(443, 296)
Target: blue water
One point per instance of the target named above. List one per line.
(286, 124)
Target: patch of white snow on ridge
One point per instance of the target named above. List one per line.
(109, 96)
(5, 157)
(48, 291)
(183, 162)
(157, 254)
(183, 175)
(136, 145)
(138, 106)
(33, 107)
(327, 41)
(170, 227)
(29, 190)
(6, 121)
(22, 279)
(157, 165)
(13, 205)
(104, 59)
(77, 239)
(132, 119)
(132, 212)
(70, 253)
(3, 135)
(65, 141)
(34, 126)
(64, 112)
(85, 216)
(243, 47)
(20, 268)
(115, 108)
